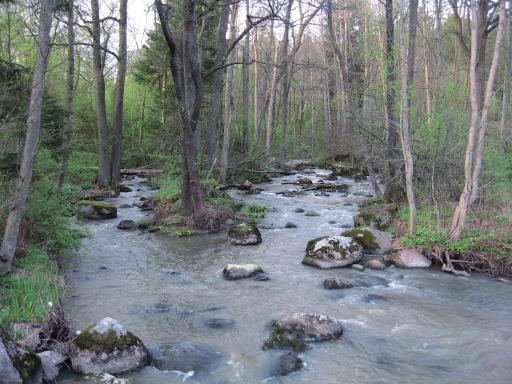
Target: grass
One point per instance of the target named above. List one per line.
(253, 212)
(26, 294)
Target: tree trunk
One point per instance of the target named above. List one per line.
(407, 54)
(218, 77)
(117, 120)
(228, 102)
(70, 84)
(101, 109)
(245, 86)
(478, 118)
(272, 102)
(24, 178)
(505, 101)
(256, 94)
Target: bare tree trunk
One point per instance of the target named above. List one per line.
(478, 118)
(117, 120)
(228, 102)
(24, 178)
(218, 77)
(272, 102)
(256, 94)
(505, 107)
(245, 85)
(101, 109)
(70, 87)
(407, 73)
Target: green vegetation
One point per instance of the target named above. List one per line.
(253, 212)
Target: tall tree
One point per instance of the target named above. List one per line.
(24, 176)
(70, 90)
(479, 112)
(101, 108)
(407, 54)
(117, 120)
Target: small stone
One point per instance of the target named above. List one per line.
(358, 267)
(312, 213)
(125, 206)
(51, 363)
(124, 188)
(375, 264)
(127, 225)
(298, 210)
(218, 323)
(185, 357)
(241, 271)
(290, 225)
(337, 283)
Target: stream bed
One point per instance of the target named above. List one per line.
(406, 326)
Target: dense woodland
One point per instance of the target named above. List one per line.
(416, 93)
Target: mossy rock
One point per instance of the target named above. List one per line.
(124, 188)
(375, 214)
(304, 181)
(332, 252)
(364, 237)
(244, 234)
(96, 210)
(27, 363)
(107, 347)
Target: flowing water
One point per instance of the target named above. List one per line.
(415, 326)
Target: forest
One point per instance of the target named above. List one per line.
(365, 145)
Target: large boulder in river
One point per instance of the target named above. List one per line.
(332, 252)
(185, 357)
(241, 271)
(409, 258)
(371, 239)
(244, 234)
(96, 210)
(8, 374)
(107, 347)
(293, 330)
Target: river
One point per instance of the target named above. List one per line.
(406, 326)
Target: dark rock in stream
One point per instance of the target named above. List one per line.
(290, 225)
(293, 330)
(312, 213)
(127, 225)
(96, 210)
(125, 206)
(185, 357)
(298, 210)
(287, 363)
(337, 283)
(219, 323)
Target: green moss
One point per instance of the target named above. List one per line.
(281, 339)
(183, 232)
(98, 204)
(254, 211)
(304, 181)
(362, 236)
(107, 342)
(311, 243)
(243, 230)
(27, 363)
(143, 224)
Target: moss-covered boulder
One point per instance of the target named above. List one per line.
(27, 363)
(241, 271)
(304, 181)
(371, 239)
(8, 374)
(96, 210)
(332, 252)
(293, 330)
(107, 347)
(244, 234)
(375, 214)
(409, 258)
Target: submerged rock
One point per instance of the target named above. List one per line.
(292, 331)
(290, 225)
(312, 213)
(409, 258)
(241, 271)
(244, 234)
(185, 357)
(124, 188)
(287, 363)
(219, 323)
(337, 283)
(96, 210)
(107, 347)
(298, 210)
(8, 374)
(332, 252)
(371, 239)
(51, 363)
(127, 225)
(358, 267)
